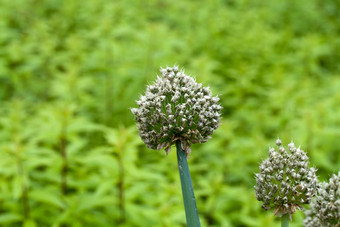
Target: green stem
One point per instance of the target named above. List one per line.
(285, 220)
(191, 212)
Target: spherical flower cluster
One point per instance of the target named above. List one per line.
(311, 220)
(285, 181)
(326, 205)
(174, 108)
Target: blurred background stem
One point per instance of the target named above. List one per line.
(24, 190)
(191, 212)
(63, 140)
(121, 185)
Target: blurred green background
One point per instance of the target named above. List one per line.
(70, 154)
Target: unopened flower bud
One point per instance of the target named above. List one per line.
(278, 142)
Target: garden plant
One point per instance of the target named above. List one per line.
(285, 181)
(72, 155)
(177, 110)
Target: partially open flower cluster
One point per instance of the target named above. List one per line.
(174, 108)
(285, 181)
(326, 205)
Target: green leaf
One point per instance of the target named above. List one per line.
(6, 218)
(91, 202)
(47, 197)
(30, 223)
(17, 187)
(112, 137)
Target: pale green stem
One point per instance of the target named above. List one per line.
(187, 189)
(285, 220)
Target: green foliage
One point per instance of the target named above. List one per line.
(70, 153)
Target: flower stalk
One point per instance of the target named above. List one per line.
(285, 220)
(191, 212)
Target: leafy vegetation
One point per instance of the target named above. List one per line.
(70, 154)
